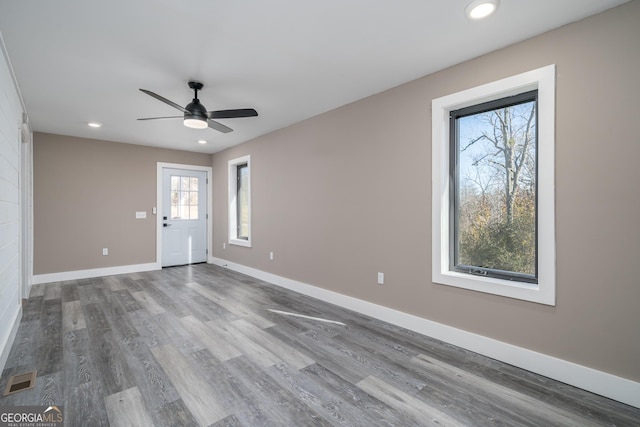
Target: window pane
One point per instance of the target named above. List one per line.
(243, 202)
(184, 183)
(174, 212)
(175, 182)
(495, 189)
(193, 183)
(184, 198)
(193, 212)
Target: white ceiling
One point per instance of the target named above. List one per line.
(84, 60)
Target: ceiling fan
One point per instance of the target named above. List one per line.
(196, 115)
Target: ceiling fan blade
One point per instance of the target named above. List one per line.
(165, 100)
(232, 114)
(156, 118)
(219, 126)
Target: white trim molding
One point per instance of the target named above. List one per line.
(39, 279)
(26, 200)
(598, 382)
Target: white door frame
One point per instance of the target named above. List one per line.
(26, 209)
(159, 199)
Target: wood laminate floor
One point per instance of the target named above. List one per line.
(204, 346)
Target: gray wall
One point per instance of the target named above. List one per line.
(344, 195)
(86, 193)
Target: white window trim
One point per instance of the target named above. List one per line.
(542, 79)
(233, 193)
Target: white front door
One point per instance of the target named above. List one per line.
(184, 216)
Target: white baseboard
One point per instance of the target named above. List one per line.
(5, 347)
(602, 383)
(94, 272)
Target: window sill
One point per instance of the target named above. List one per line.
(507, 288)
(239, 242)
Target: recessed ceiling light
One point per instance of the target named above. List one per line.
(479, 9)
(202, 141)
(94, 124)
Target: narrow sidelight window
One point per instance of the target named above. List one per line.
(242, 201)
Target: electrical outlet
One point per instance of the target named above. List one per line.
(224, 245)
(271, 256)
(105, 251)
(380, 278)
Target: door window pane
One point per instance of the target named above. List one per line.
(184, 197)
(175, 182)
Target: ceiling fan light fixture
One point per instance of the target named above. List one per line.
(479, 9)
(196, 115)
(196, 123)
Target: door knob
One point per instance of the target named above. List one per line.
(166, 225)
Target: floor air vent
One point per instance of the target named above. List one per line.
(20, 382)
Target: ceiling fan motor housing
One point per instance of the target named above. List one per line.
(196, 111)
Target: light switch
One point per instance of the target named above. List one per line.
(141, 215)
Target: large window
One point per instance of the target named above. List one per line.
(493, 187)
(493, 173)
(240, 201)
